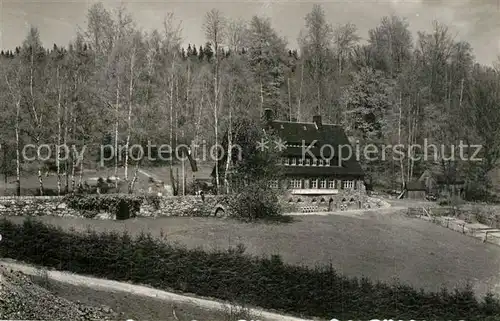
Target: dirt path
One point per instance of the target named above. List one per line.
(145, 173)
(114, 286)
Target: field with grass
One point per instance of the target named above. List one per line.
(380, 246)
(162, 173)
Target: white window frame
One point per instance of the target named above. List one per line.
(323, 183)
(286, 161)
(301, 161)
(331, 184)
(348, 184)
(293, 161)
(295, 183)
(314, 183)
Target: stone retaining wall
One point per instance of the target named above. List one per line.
(167, 206)
(185, 206)
(344, 200)
(35, 206)
(179, 205)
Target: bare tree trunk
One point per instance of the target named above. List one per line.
(80, 178)
(74, 159)
(176, 121)
(216, 113)
(65, 139)
(410, 137)
(399, 139)
(261, 97)
(134, 179)
(300, 91)
(32, 65)
(129, 116)
(171, 114)
(18, 152)
(229, 154)
(414, 140)
(40, 181)
(117, 106)
(59, 133)
(289, 98)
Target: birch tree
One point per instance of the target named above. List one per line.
(215, 28)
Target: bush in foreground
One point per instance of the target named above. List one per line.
(234, 276)
(256, 201)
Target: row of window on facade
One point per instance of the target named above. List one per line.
(316, 183)
(292, 161)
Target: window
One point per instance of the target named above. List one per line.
(287, 161)
(331, 184)
(308, 162)
(327, 162)
(320, 162)
(294, 161)
(301, 161)
(348, 185)
(323, 183)
(314, 183)
(273, 183)
(295, 183)
(314, 161)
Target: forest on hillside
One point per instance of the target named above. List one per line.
(118, 84)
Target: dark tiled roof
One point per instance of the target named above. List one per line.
(415, 186)
(320, 171)
(328, 138)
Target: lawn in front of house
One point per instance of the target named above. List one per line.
(380, 246)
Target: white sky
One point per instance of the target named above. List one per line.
(477, 21)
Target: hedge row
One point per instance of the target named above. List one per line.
(123, 206)
(233, 275)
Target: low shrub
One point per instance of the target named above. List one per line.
(234, 276)
(123, 206)
(256, 201)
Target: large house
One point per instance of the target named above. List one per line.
(310, 159)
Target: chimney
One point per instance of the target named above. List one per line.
(317, 121)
